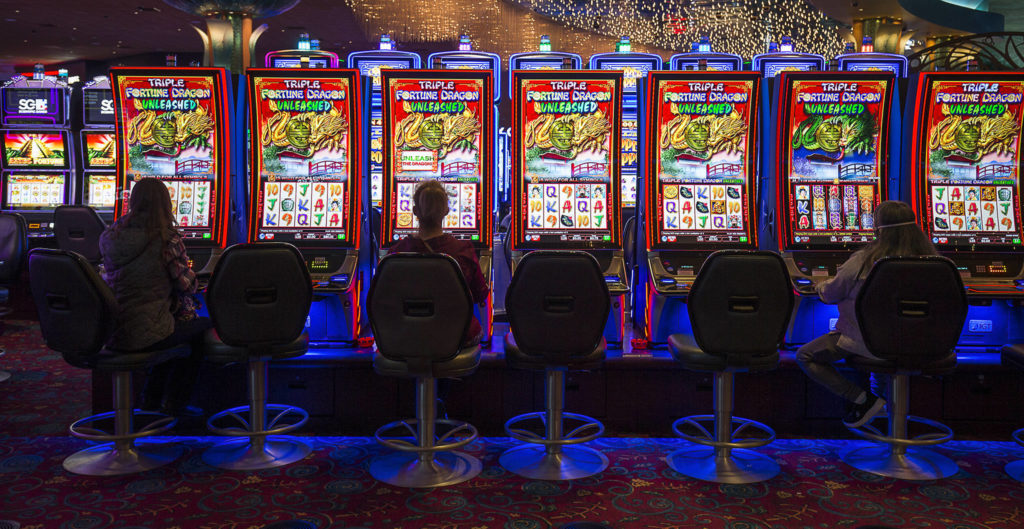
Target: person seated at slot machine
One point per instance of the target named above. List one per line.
(896, 234)
(147, 269)
(430, 205)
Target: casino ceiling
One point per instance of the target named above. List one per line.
(59, 31)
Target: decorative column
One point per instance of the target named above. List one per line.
(229, 39)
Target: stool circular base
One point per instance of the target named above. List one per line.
(107, 460)
(406, 469)
(570, 462)
(241, 454)
(740, 466)
(4, 375)
(915, 464)
(1016, 470)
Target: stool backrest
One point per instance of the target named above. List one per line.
(557, 304)
(420, 308)
(911, 309)
(13, 245)
(78, 229)
(259, 295)
(740, 304)
(76, 308)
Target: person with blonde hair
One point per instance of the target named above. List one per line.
(430, 205)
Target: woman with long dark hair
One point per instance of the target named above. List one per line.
(896, 234)
(147, 268)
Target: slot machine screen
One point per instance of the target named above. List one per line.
(833, 157)
(896, 67)
(305, 157)
(100, 149)
(439, 126)
(631, 71)
(372, 69)
(100, 190)
(36, 150)
(173, 126)
(772, 66)
(34, 191)
(566, 174)
(98, 106)
(34, 106)
(968, 160)
(703, 131)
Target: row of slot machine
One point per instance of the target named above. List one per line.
(648, 169)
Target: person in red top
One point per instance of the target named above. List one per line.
(430, 205)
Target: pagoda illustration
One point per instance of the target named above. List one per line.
(34, 149)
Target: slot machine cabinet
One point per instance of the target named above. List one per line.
(965, 131)
(702, 58)
(173, 124)
(829, 175)
(463, 164)
(566, 189)
(371, 63)
(305, 185)
(37, 164)
(698, 197)
(542, 59)
(307, 55)
(634, 67)
(97, 160)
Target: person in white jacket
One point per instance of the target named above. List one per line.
(896, 234)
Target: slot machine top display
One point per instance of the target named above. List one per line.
(701, 55)
(543, 59)
(172, 124)
(305, 156)
(98, 104)
(966, 159)
(35, 102)
(702, 179)
(439, 125)
(465, 58)
(634, 66)
(832, 157)
(782, 58)
(566, 180)
(868, 60)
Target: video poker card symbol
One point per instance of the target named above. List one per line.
(801, 207)
(804, 222)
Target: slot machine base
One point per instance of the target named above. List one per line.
(334, 315)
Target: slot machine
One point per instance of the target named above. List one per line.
(700, 191)
(965, 166)
(306, 55)
(702, 58)
(37, 167)
(835, 158)
(305, 185)
(371, 63)
(566, 185)
(173, 124)
(542, 59)
(782, 58)
(634, 67)
(868, 60)
(97, 161)
(468, 59)
(419, 106)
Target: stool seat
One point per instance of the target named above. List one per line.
(939, 366)
(464, 363)
(219, 352)
(1013, 355)
(520, 360)
(686, 351)
(113, 360)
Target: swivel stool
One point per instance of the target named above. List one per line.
(258, 297)
(1013, 355)
(557, 305)
(76, 316)
(739, 307)
(420, 308)
(910, 311)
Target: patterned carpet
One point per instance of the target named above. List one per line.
(332, 488)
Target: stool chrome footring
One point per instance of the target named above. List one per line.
(913, 464)
(256, 453)
(723, 465)
(110, 460)
(553, 463)
(431, 469)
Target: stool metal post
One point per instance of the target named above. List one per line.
(898, 457)
(259, 444)
(121, 455)
(426, 412)
(724, 397)
(555, 387)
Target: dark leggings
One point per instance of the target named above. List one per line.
(170, 384)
